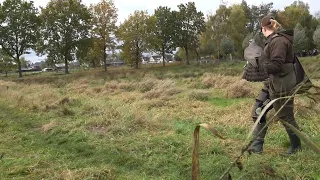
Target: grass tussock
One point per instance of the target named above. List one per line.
(66, 111)
(48, 127)
(200, 95)
(234, 87)
(32, 97)
(218, 81)
(103, 173)
(129, 97)
(163, 88)
(146, 85)
(240, 89)
(100, 126)
(114, 86)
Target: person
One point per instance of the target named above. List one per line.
(278, 64)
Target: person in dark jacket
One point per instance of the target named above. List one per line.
(278, 64)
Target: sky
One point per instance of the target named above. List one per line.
(126, 7)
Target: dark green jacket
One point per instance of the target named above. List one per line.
(279, 58)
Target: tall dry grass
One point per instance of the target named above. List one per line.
(234, 86)
(129, 104)
(162, 88)
(30, 96)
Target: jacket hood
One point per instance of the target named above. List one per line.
(288, 34)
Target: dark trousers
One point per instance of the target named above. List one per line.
(286, 113)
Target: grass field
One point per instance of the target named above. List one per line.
(138, 124)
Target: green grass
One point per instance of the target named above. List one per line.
(78, 126)
(32, 154)
(225, 102)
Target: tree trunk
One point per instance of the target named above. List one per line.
(137, 55)
(105, 57)
(66, 68)
(19, 66)
(137, 61)
(6, 71)
(93, 64)
(163, 57)
(187, 54)
(198, 56)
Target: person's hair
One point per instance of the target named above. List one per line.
(270, 23)
(275, 25)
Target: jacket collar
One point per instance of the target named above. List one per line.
(270, 37)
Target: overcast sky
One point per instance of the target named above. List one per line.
(126, 7)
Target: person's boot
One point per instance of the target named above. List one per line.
(295, 143)
(257, 144)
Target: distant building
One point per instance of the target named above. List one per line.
(74, 64)
(42, 63)
(117, 63)
(60, 66)
(156, 59)
(36, 68)
(145, 60)
(113, 61)
(169, 57)
(159, 58)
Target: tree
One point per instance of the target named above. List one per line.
(195, 46)
(257, 13)
(104, 25)
(316, 37)
(298, 12)
(135, 33)
(82, 50)
(189, 25)
(248, 15)
(207, 46)
(90, 51)
(218, 26)
(238, 22)
(65, 23)
(281, 18)
(177, 57)
(6, 63)
(164, 28)
(300, 41)
(18, 28)
(24, 63)
(181, 54)
(227, 46)
(53, 58)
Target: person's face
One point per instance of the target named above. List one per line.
(264, 31)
